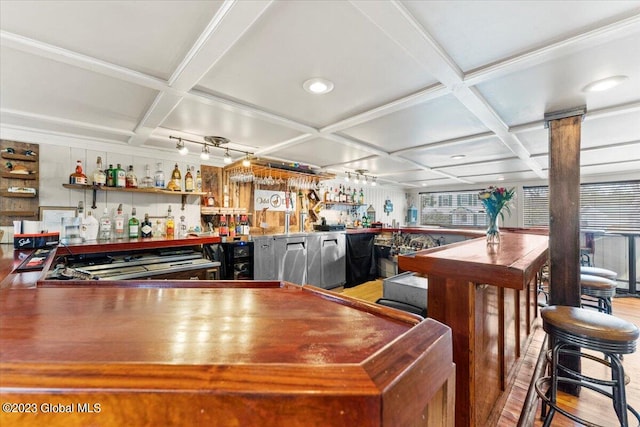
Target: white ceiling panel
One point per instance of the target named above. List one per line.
(147, 36)
(417, 175)
(295, 41)
(620, 167)
(42, 86)
(440, 119)
(379, 165)
(321, 152)
(205, 119)
(439, 155)
(484, 168)
(477, 33)
(525, 96)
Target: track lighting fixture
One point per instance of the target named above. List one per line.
(360, 177)
(227, 158)
(205, 152)
(182, 149)
(212, 142)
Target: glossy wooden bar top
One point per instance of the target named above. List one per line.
(139, 243)
(228, 354)
(510, 265)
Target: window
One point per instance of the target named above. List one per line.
(457, 208)
(602, 205)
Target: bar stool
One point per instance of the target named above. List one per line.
(579, 327)
(597, 271)
(596, 292)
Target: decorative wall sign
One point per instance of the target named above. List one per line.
(274, 200)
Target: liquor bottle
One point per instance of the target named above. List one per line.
(147, 181)
(210, 199)
(245, 225)
(78, 177)
(111, 182)
(120, 177)
(159, 176)
(361, 197)
(105, 226)
(134, 225)
(90, 227)
(131, 180)
(239, 228)
(182, 227)
(118, 223)
(170, 223)
(198, 181)
(232, 226)
(336, 195)
(189, 185)
(327, 195)
(224, 230)
(175, 183)
(99, 177)
(146, 229)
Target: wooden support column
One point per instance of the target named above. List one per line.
(564, 215)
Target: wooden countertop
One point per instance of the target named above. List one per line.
(510, 264)
(232, 353)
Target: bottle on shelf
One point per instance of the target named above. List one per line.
(105, 226)
(232, 226)
(159, 176)
(118, 223)
(361, 197)
(170, 223)
(189, 184)
(134, 225)
(198, 181)
(99, 177)
(120, 177)
(244, 225)
(175, 182)
(210, 201)
(111, 182)
(78, 177)
(182, 227)
(147, 181)
(146, 228)
(131, 180)
(239, 228)
(224, 229)
(90, 227)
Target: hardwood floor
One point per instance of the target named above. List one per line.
(591, 406)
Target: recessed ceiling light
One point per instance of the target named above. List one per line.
(318, 86)
(500, 178)
(424, 184)
(604, 84)
(458, 156)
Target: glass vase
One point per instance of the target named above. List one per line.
(493, 231)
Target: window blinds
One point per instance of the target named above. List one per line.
(611, 205)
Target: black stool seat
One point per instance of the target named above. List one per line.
(572, 327)
(597, 271)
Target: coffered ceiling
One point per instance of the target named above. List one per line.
(415, 82)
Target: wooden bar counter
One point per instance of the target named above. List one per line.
(217, 353)
(487, 295)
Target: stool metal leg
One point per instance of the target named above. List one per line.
(618, 391)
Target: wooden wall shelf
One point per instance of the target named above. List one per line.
(94, 188)
(21, 157)
(19, 176)
(5, 193)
